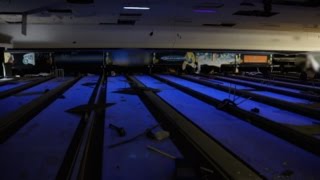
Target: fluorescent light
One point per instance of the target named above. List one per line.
(136, 8)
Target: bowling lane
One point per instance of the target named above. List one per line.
(13, 84)
(260, 84)
(267, 111)
(12, 103)
(133, 160)
(37, 150)
(269, 155)
(278, 83)
(264, 93)
(283, 97)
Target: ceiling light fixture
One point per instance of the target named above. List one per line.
(136, 8)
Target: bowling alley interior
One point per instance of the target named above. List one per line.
(159, 89)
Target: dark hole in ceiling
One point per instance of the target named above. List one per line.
(80, 1)
(106, 23)
(64, 11)
(209, 5)
(256, 13)
(220, 25)
(304, 3)
(126, 22)
(131, 14)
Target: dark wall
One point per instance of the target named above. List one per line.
(1, 60)
(81, 61)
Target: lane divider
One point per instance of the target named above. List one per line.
(23, 87)
(225, 164)
(12, 122)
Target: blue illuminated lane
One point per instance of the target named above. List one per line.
(266, 85)
(281, 83)
(264, 93)
(232, 85)
(283, 97)
(269, 155)
(267, 111)
(133, 160)
(37, 150)
(11, 85)
(12, 103)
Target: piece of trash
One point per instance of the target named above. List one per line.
(159, 135)
(121, 131)
(161, 152)
(255, 110)
(207, 170)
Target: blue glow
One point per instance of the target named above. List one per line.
(134, 159)
(46, 138)
(174, 58)
(11, 85)
(136, 8)
(204, 11)
(267, 111)
(12, 103)
(250, 143)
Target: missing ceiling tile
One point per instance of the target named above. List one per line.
(130, 14)
(255, 13)
(60, 11)
(126, 22)
(220, 25)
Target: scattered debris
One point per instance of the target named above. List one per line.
(161, 152)
(255, 110)
(226, 103)
(206, 169)
(133, 138)
(159, 135)
(121, 131)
